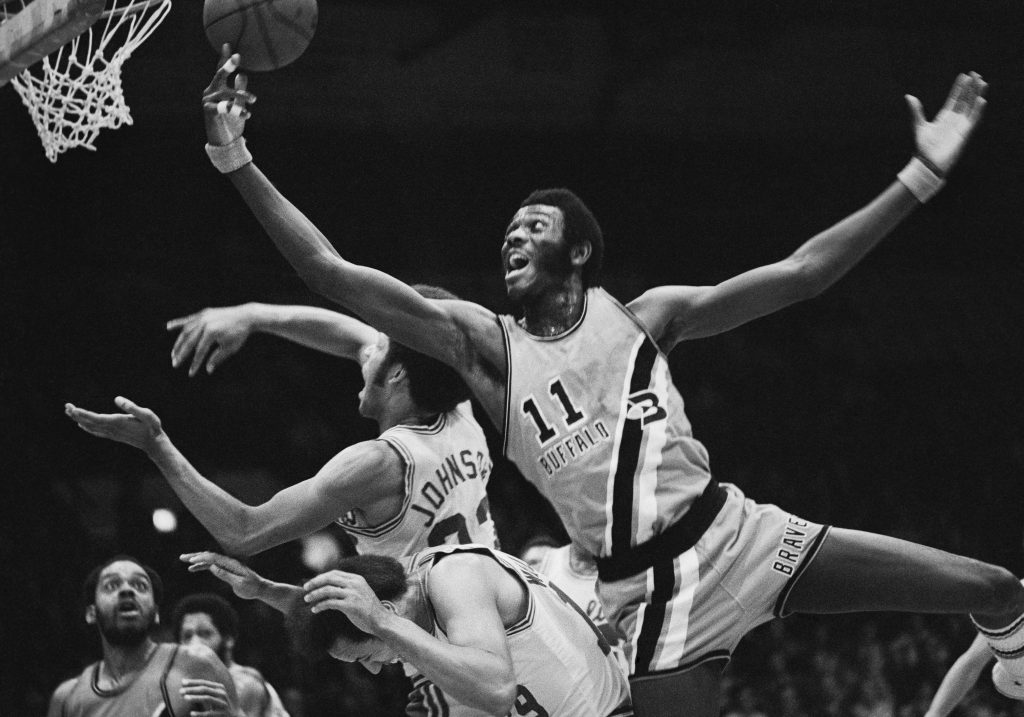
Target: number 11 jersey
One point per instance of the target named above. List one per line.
(593, 419)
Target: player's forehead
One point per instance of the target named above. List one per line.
(350, 651)
(197, 621)
(546, 212)
(124, 569)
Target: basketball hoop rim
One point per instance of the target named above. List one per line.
(130, 8)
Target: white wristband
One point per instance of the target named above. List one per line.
(229, 157)
(921, 180)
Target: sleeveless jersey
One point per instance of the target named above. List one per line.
(447, 465)
(593, 420)
(146, 696)
(563, 664)
(580, 587)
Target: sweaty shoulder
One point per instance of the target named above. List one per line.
(665, 312)
(461, 568)
(60, 696)
(480, 327)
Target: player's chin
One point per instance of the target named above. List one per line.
(515, 286)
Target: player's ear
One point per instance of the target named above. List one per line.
(398, 373)
(156, 618)
(579, 253)
(90, 614)
(229, 643)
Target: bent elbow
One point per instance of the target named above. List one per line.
(323, 275)
(809, 279)
(503, 698)
(244, 540)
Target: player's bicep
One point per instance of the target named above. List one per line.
(678, 313)
(359, 475)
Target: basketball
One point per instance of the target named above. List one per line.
(268, 34)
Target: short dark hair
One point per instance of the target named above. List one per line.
(93, 579)
(433, 385)
(580, 226)
(316, 632)
(223, 615)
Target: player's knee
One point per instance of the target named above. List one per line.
(1005, 592)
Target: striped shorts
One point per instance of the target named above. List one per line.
(695, 607)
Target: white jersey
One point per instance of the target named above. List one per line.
(447, 465)
(562, 662)
(593, 420)
(557, 567)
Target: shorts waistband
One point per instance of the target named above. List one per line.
(674, 540)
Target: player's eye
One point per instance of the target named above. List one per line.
(141, 585)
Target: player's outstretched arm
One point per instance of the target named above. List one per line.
(246, 582)
(213, 335)
(366, 475)
(962, 676)
(678, 313)
(474, 666)
(455, 332)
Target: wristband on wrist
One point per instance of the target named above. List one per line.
(922, 179)
(229, 157)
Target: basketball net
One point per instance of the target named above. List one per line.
(76, 91)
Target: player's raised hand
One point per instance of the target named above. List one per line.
(206, 698)
(136, 426)
(942, 140)
(211, 335)
(348, 593)
(243, 580)
(225, 107)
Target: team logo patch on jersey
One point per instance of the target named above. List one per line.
(644, 406)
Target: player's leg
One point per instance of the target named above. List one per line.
(694, 693)
(856, 571)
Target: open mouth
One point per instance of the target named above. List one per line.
(128, 609)
(515, 262)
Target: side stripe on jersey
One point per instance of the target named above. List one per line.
(628, 456)
(507, 340)
(664, 576)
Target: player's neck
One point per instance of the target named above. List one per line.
(123, 663)
(555, 312)
(404, 413)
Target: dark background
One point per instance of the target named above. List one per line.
(708, 138)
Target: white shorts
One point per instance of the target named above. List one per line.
(695, 607)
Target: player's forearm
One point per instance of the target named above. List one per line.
(384, 302)
(474, 677)
(282, 597)
(313, 327)
(295, 236)
(827, 256)
(220, 512)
